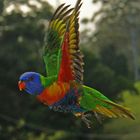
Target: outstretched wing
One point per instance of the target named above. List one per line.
(94, 101)
(53, 39)
(71, 67)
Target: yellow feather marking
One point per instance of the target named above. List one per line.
(117, 112)
(71, 51)
(61, 28)
(73, 46)
(73, 36)
(50, 25)
(62, 31)
(72, 24)
(58, 24)
(72, 30)
(110, 112)
(73, 18)
(100, 110)
(72, 42)
(104, 111)
(53, 89)
(121, 111)
(54, 24)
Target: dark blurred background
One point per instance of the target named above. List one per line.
(112, 66)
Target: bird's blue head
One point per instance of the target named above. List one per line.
(31, 83)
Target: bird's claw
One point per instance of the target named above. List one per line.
(98, 117)
(85, 119)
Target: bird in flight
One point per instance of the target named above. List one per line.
(63, 89)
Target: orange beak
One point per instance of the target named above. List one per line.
(21, 85)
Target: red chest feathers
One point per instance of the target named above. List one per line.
(54, 93)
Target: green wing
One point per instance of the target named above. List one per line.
(93, 100)
(54, 38)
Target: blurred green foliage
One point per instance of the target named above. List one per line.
(128, 127)
(109, 67)
(118, 25)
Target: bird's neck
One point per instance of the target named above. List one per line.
(47, 81)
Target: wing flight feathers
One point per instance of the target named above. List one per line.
(71, 43)
(54, 38)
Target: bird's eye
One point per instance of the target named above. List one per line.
(30, 78)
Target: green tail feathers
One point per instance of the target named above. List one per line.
(93, 100)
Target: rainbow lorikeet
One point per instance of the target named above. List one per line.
(63, 90)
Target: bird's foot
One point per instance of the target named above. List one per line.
(85, 119)
(99, 119)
